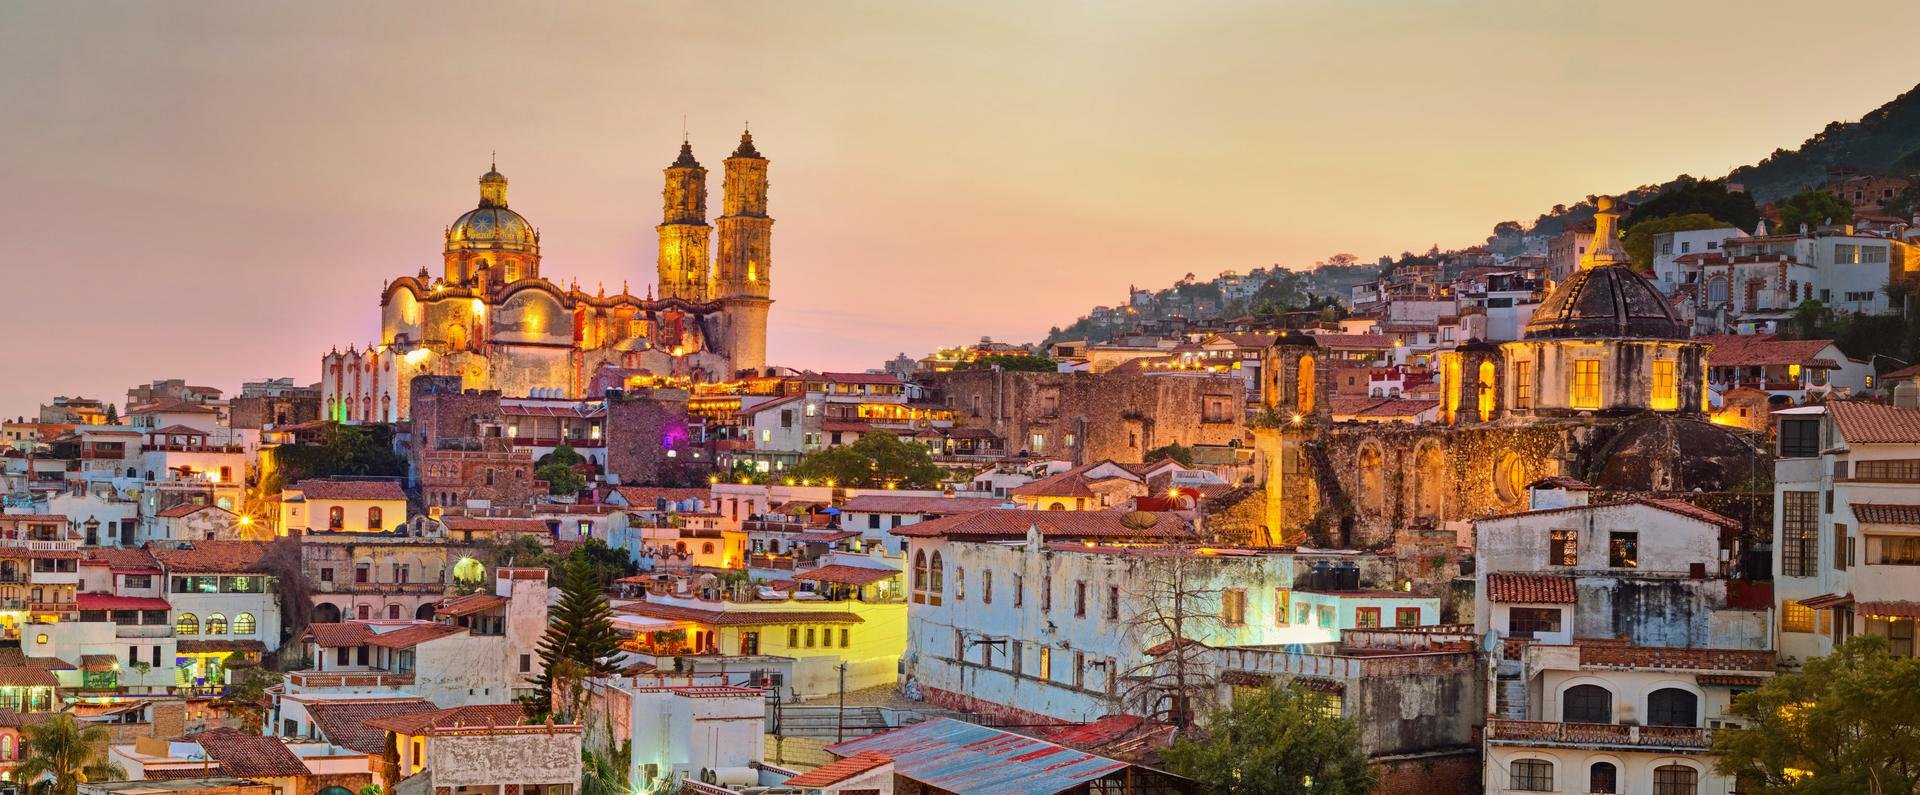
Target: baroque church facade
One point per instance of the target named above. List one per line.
(492, 319)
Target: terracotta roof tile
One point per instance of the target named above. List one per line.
(184, 509)
(213, 557)
(409, 637)
(1890, 609)
(469, 716)
(645, 496)
(1873, 423)
(496, 524)
(344, 722)
(101, 601)
(1530, 588)
(469, 604)
(1883, 513)
(340, 634)
(119, 558)
(890, 503)
(1754, 350)
(839, 770)
(1670, 505)
(249, 755)
(327, 489)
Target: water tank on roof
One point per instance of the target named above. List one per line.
(1347, 577)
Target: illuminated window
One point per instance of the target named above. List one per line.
(1233, 607)
(1564, 548)
(1586, 384)
(1795, 617)
(1666, 387)
(1046, 663)
(216, 624)
(1303, 386)
(186, 624)
(243, 624)
(1486, 391)
(1282, 607)
(1799, 530)
(1366, 617)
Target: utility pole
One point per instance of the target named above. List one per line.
(841, 732)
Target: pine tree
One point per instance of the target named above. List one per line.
(579, 639)
(113, 414)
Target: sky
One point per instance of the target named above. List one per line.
(217, 191)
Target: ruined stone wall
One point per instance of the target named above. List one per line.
(261, 411)
(1088, 417)
(490, 757)
(640, 432)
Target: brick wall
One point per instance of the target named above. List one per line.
(1454, 773)
(1109, 415)
(640, 431)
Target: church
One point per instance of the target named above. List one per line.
(490, 318)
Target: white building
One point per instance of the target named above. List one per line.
(679, 730)
(1846, 552)
(1669, 270)
(1621, 644)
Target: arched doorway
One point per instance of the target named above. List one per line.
(425, 613)
(326, 613)
(1429, 482)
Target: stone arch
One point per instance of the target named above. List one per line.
(1483, 386)
(1304, 384)
(1429, 481)
(1510, 478)
(326, 613)
(1372, 499)
(425, 613)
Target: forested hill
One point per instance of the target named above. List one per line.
(1887, 140)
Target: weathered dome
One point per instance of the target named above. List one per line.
(1607, 301)
(1661, 452)
(492, 228)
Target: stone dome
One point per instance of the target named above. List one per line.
(492, 228)
(1607, 301)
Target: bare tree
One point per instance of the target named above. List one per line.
(1174, 603)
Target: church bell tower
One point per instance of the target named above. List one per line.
(743, 271)
(684, 234)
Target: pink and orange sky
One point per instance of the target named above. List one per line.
(216, 191)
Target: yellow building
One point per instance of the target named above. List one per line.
(342, 506)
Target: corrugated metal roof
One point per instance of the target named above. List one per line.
(977, 760)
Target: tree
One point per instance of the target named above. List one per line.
(563, 454)
(1277, 739)
(1005, 361)
(578, 643)
(344, 450)
(561, 478)
(1689, 196)
(1844, 724)
(113, 414)
(1813, 208)
(1639, 239)
(606, 563)
(877, 459)
(1174, 604)
(61, 755)
(1176, 451)
(249, 692)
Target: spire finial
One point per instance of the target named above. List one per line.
(493, 160)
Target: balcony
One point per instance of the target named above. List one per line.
(306, 679)
(143, 631)
(762, 526)
(769, 562)
(1543, 732)
(68, 610)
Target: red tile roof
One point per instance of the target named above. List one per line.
(1530, 588)
(1884, 513)
(839, 770)
(1003, 523)
(213, 557)
(118, 558)
(340, 634)
(1890, 609)
(472, 715)
(859, 378)
(327, 489)
(1873, 423)
(183, 509)
(28, 676)
(101, 601)
(644, 496)
(737, 618)
(1756, 350)
(469, 604)
(344, 722)
(248, 755)
(496, 524)
(1351, 341)
(846, 575)
(409, 637)
(1669, 505)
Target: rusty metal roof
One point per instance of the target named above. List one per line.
(978, 760)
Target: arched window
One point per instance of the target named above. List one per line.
(1303, 385)
(336, 518)
(1485, 386)
(186, 624)
(706, 548)
(1586, 704)
(216, 624)
(920, 570)
(6, 746)
(243, 624)
(374, 518)
(1675, 780)
(680, 547)
(1603, 777)
(1532, 775)
(936, 579)
(1671, 706)
(393, 611)
(959, 583)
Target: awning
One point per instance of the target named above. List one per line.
(643, 624)
(98, 663)
(847, 575)
(1889, 609)
(1826, 600)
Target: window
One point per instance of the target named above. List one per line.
(1586, 704)
(1799, 438)
(986, 587)
(1533, 775)
(1623, 550)
(1799, 531)
(1406, 616)
(749, 643)
(793, 638)
(1666, 386)
(1079, 598)
(1842, 545)
(336, 518)
(1899, 470)
(1326, 617)
(959, 583)
(937, 573)
(1366, 617)
(1666, 247)
(1564, 548)
(706, 548)
(1886, 550)
(1603, 777)
(243, 624)
(326, 574)
(1671, 706)
(1586, 384)
(186, 624)
(1282, 607)
(1233, 607)
(1796, 617)
(1686, 246)
(526, 663)
(1016, 657)
(810, 637)
(843, 637)
(1113, 602)
(919, 576)
(1046, 593)
(1675, 780)
(361, 572)
(1019, 590)
(1046, 663)
(1523, 385)
(1526, 622)
(216, 624)
(1079, 669)
(374, 517)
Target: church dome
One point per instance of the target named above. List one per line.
(1607, 301)
(491, 225)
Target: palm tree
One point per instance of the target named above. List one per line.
(60, 755)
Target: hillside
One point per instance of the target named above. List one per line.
(1886, 140)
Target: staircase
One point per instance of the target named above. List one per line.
(823, 722)
(1510, 692)
(1327, 482)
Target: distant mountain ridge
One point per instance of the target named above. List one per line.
(1884, 141)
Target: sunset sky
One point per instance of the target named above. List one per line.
(216, 191)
